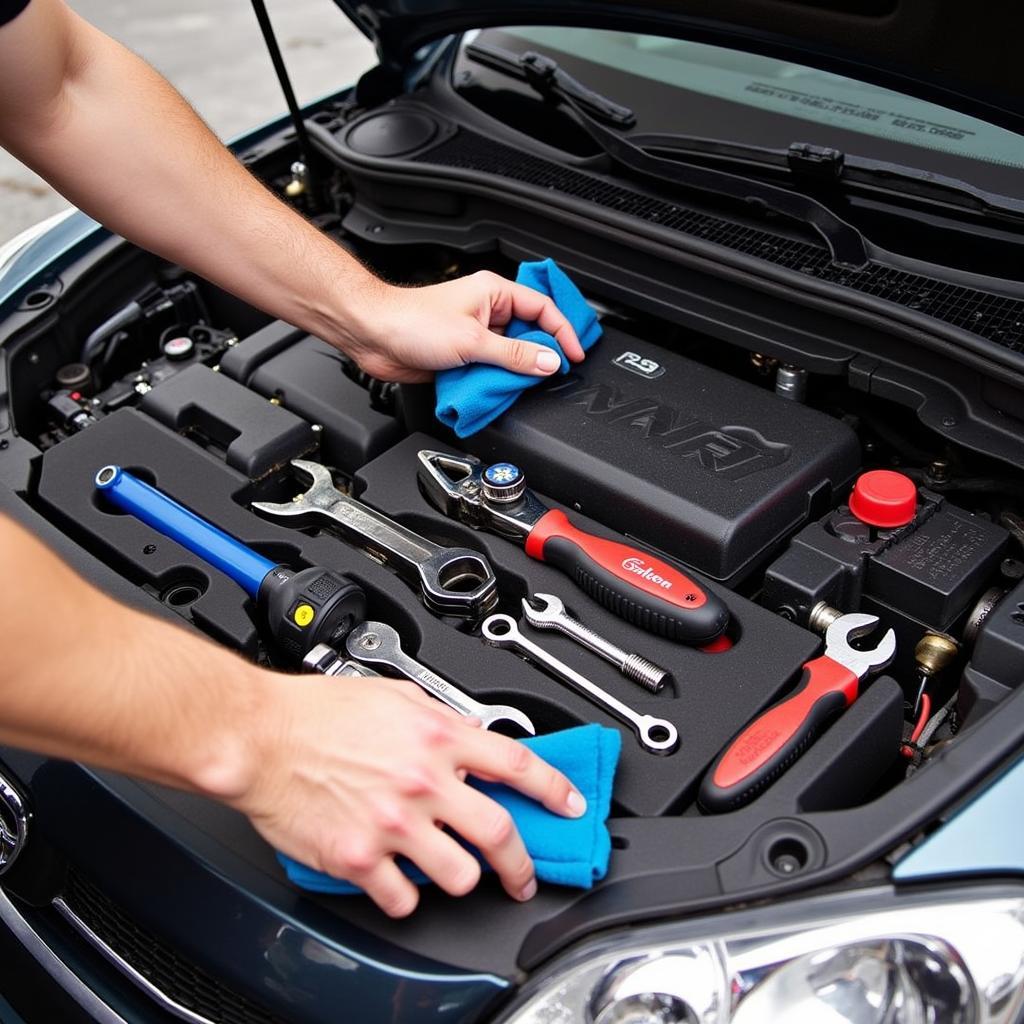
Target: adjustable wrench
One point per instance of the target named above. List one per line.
(657, 735)
(375, 643)
(636, 585)
(552, 614)
(777, 737)
(452, 581)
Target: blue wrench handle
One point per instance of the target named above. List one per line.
(156, 509)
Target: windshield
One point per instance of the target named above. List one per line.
(774, 87)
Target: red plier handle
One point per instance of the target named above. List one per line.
(635, 585)
(778, 736)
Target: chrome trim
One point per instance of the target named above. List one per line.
(116, 960)
(54, 966)
(11, 248)
(14, 819)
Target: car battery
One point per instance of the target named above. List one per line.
(928, 561)
(710, 469)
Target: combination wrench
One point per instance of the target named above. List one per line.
(375, 643)
(452, 581)
(657, 735)
(552, 614)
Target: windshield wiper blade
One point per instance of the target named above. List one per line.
(846, 244)
(596, 105)
(822, 164)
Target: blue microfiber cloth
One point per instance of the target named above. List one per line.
(566, 851)
(470, 397)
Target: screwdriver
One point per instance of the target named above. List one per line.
(299, 608)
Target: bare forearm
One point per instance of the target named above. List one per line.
(86, 678)
(122, 145)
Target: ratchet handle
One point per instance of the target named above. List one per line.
(638, 587)
(233, 558)
(778, 736)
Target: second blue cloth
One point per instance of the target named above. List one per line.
(470, 397)
(566, 851)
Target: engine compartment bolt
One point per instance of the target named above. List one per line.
(938, 471)
(821, 616)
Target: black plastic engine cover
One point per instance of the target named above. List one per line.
(712, 470)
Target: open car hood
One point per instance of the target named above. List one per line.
(944, 51)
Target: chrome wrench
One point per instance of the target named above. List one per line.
(327, 661)
(452, 581)
(374, 643)
(552, 614)
(657, 735)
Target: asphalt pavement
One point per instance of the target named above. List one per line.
(213, 53)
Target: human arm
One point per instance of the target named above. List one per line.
(115, 138)
(341, 774)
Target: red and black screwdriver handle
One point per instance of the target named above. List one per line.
(635, 585)
(779, 735)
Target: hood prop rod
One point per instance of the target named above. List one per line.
(270, 39)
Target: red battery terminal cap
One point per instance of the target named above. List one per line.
(884, 498)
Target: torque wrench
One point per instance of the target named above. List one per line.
(657, 735)
(375, 643)
(552, 614)
(301, 609)
(452, 581)
(635, 585)
(778, 736)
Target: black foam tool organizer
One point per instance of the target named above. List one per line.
(712, 696)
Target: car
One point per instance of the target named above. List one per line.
(802, 227)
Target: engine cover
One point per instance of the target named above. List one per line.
(712, 470)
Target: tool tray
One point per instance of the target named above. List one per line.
(713, 694)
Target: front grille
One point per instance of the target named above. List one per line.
(179, 981)
(995, 317)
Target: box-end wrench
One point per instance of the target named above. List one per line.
(375, 643)
(657, 735)
(552, 614)
(452, 581)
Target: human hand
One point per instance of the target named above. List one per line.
(405, 334)
(348, 775)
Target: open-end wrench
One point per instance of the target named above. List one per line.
(375, 643)
(453, 581)
(552, 614)
(777, 737)
(657, 735)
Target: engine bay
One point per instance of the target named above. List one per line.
(753, 475)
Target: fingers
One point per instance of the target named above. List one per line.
(509, 761)
(420, 696)
(442, 859)
(531, 306)
(515, 355)
(389, 888)
(490, 828)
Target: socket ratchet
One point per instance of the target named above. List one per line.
(452, 581)
(553, 615)
(657, 735)
(376, 643)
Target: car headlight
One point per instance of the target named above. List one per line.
(865, 957)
